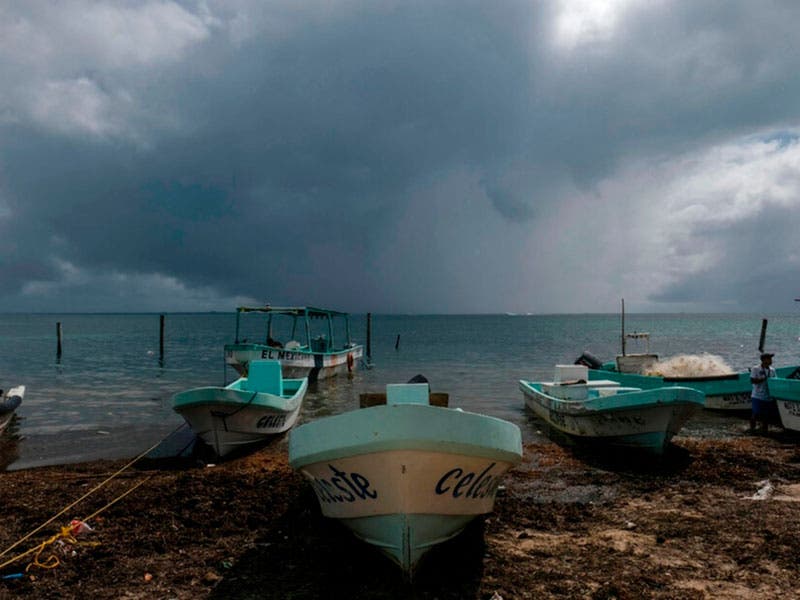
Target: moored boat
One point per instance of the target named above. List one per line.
(9, 402)
(314, 348)
(405, 474)
(604, 412)
(246, 411)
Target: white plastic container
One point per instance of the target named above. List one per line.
(571, 373)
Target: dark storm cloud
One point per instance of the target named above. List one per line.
(296, 152)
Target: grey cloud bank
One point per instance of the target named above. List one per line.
(399, 157)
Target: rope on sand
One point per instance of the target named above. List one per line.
(68, 533)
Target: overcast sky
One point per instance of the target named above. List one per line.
(411, 157)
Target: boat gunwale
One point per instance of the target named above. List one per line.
(588, 406)
(505, 444)
(284, 402)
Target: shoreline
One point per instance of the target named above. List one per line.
(567, 524)
(74, 446)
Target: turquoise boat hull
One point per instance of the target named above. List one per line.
(405, 476)
(722, 392)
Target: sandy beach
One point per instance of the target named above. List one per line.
(714, 519)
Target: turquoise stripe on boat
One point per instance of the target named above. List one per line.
(621, 401)
(784, 389)
(404, 427)
(736, 383)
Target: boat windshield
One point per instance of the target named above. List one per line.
(293, 327)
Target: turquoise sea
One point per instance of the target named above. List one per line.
(108, 394)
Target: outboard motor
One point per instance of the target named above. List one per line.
(588, 359)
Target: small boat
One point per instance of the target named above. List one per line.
(786, 392)
(9, 402)
(247, 411)
(604, 412)
(405, 472)
(724, 388)
(313, 348)
(725, 392)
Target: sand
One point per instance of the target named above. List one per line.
(713, 519)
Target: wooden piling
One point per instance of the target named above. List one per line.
(763, 335)
(161, 336)
(369, 337)
(397, 342)
(58, 338)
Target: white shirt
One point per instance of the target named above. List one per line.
(761, 390)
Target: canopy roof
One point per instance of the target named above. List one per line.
(296, 311)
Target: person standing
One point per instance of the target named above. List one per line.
(763, 407)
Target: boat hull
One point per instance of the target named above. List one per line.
(786, 393)
(405, 478)
(295, 363)
(227, 419)
(645, 420)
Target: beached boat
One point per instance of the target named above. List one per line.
(313, 349)
(724, 388)
(9, 403)
(405, 473)
(786, 393)
(247, 411)
(728, 391)
(604, 412)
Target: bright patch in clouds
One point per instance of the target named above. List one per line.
(700, 213)
(580, 22)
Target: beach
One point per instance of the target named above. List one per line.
(713, 518)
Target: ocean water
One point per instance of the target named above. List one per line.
(109, 393)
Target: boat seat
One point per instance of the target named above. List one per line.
(407, 393)
(264, 376)
(366, 400)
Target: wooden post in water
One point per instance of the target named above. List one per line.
(161, 336)
(763, 335)
(397, 342)
(369, 338)
(58, 338)
(622, 324)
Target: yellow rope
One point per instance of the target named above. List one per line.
(41, 546)
(52, 560)
(67, 535)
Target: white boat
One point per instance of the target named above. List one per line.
(603, 412)
(786, 393)
(314, 348)
(247, 411)
(9, 403)
(405, 475)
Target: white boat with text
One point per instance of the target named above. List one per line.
(316, 342)
(406, 473)
(247, 411)
(604, 412)
(786, 393)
